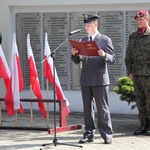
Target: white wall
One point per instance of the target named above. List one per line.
(7, 27)
(74, 98)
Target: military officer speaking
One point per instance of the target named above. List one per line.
(95, 82)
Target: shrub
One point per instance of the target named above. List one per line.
(126, 90)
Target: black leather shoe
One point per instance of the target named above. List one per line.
(108, 141)
(143, 128)
(87, 137)
(86, 140)
(148, 129)
(140, 131)
(147, 132)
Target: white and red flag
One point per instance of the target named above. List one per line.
(34, 81)
(49, 74)
(16, 83)
(4, 71)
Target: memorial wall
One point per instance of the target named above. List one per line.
(116, 24)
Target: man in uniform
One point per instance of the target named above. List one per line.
(95, 81)
(138, 67)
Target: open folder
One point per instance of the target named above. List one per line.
(88, 48)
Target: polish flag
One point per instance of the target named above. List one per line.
(16, 83)
(48, 73)
(4, 71)
(34, 81)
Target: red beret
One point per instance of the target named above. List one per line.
(141, 13)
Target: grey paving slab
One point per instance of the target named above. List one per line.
(123, 139)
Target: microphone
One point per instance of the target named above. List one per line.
(74, 32)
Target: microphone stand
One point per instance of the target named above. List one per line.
(52, 53)
(55, 140)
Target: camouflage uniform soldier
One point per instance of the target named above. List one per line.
(138, 67)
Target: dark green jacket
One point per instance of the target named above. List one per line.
(138, 54)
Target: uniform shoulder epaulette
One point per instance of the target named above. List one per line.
(147, 31)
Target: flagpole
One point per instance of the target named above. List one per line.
(0, 88)
(47, 89)
(47, 93)
(0, 113)
(31, 110)
(0, 107)
(16, 118)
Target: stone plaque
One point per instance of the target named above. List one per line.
(56, 26)
(117, 25)
(130, 24)
(112, 25)
(29, 23)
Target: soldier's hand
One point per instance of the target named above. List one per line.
(131, 76)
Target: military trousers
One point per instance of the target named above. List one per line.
(142, 92)
(97, 97)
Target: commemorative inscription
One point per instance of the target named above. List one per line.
(29, 23)
(112, 25)
(117, 25)
(56, 26)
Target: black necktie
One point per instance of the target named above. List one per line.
(88, 56)
(90, 38)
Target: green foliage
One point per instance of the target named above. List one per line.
(126, 90)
